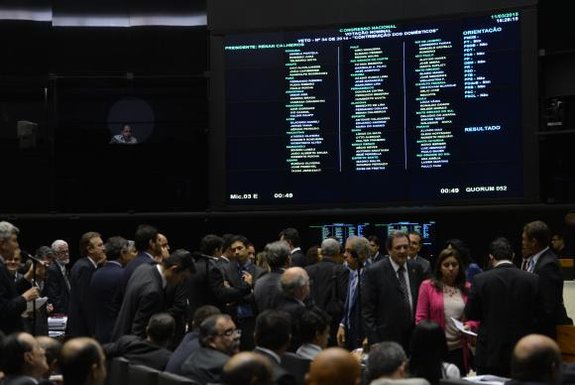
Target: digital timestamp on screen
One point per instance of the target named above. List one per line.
(286, 195)
(244, 197)
(473, 189)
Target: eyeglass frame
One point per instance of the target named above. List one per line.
(230, 333)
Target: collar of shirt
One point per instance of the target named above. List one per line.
(535, 257)
(93, 263)
(396, 266)
(164, 282)
(295, 249)
(113, 263)
(503, 262)
(2, 259)
(271, 353)
(150, 256)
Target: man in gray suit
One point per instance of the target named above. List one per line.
(387, 365)
(415, 245)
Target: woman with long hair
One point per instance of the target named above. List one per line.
(443, 297)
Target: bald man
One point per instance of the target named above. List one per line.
(247, 368)
(83, 362)
(295, 287)
(536, 358)
(334, 366)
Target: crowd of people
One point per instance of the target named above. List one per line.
(359, 312)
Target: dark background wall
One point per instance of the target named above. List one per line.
(67, 79)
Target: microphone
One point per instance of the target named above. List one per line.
(32, 258)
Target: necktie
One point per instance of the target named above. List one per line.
(524, 264)
(403, 285)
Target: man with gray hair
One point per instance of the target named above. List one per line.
(267, 289)
(329, 284)
(57, 282)
(12, 305)
(387, 365)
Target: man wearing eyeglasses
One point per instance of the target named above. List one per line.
(219, 340)
(57, 282)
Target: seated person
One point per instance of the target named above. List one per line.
(536, 359)
(52, 347)
(314, 332)
(387, 365)
(126, 137)
(151, 351)
(23, 360)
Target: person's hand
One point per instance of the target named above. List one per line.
(247, 277)
(49, 308)
(31, 294)
(340, 336)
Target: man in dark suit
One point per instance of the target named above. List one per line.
(241, 271)
(329, 284)
(538, 258)
(23, 360)
(507, 303)
(151, 351)
(267, 289)
(389, 294)
(291, 236)
(105, 286)
(374, 250)
(57, 281)
(272, 336)
(219, 340)
(81, 308)
(148, 246)
(415, 246)
(12, 305)
(351, 331)
(146, 292)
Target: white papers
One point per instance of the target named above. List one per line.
(39, 302)
(487, 379)
(459, 326)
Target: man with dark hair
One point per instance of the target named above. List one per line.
(291, 236)
(52, 348)
(334, 366)
(507, 302)
(538, 258)
(240, 273)
(23, 360)
(81, 308)
(106, 286)
(190, 342)
(415, 245)
(314, 333)
(330, 281)
(148, 246)
(145, 292)
(272, 338)
(536, 359)
(82, 362)
(219, 340)
(151, 351)
(387, 365)
(247, 368)
(206, 285)
(267, 289)
(389, 294)
(11, 303)
(374, 254)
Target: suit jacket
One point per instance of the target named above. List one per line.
(80, 309)
(329, 286)
(188, 344)
(298, 258)
(57, 289)
(206, 286)
(296, 365)
(205, 365)
(105, 286)
(144, 297)
(36, 324)
(425, 265)
(12, 304)
(295, 310)
(354, 325)
(234, 279)
(506, 301)
(551, 285)
(267, 290)
(387, 316)
(138, 351)
(280, 376)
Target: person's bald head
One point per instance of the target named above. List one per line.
(536, 358)
(82, 362)
(334, 366)
(295, 283)
(247, 368)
